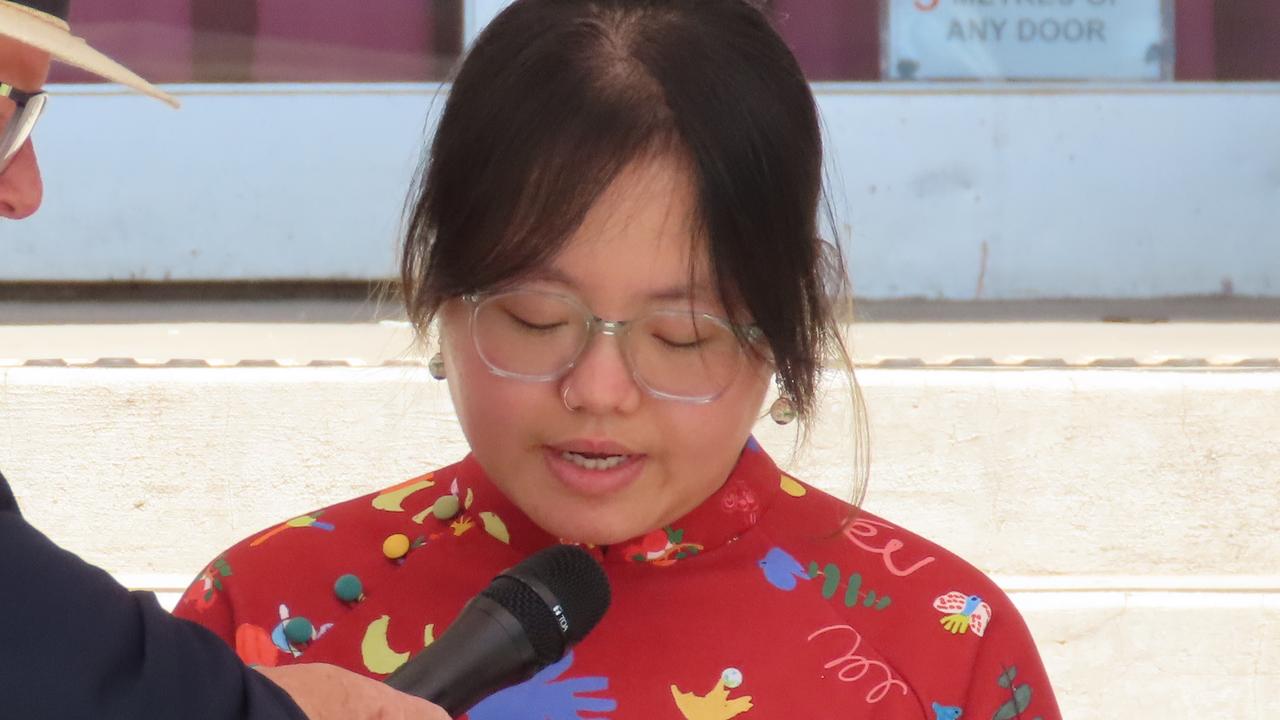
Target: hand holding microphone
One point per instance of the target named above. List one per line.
(326, 692)
(526, 619)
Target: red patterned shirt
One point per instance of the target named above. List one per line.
(770, 600)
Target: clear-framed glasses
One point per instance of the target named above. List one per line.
(538, 336)
(18, 129)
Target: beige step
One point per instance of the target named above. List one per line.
(1212, 344)
(1025, 472)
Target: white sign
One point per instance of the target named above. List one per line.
(476, 15)
(1028, 40)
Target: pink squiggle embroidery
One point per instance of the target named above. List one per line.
(863, 528)
(854, 666)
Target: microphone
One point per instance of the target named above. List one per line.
(524, 621)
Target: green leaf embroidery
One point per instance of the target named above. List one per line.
(855, 587)
(831, 574)
(831, 582)
(1014, 707)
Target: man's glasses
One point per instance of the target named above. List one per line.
(673, 354)
(18, 129)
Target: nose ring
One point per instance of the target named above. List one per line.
(564, 397)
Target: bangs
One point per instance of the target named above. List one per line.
(543, 159)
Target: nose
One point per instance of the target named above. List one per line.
(21, 188)
(600, 382)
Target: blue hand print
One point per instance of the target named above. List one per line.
(781, 570)
(541, 697)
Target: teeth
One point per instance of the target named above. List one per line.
(606, 463)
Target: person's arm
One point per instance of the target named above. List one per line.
(75, 644)
(7, 503)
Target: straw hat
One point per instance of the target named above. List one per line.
(42, 24)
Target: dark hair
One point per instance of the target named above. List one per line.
(558, 96)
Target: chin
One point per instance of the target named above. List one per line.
(600, 531)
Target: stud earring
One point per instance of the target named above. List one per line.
(436, 366)
(783, 410)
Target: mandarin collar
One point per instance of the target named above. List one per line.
(733, 509)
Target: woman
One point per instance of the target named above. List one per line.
(658, 164)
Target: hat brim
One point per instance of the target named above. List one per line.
(47, 33)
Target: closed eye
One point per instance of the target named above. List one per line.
(676, 345)
(536, 327)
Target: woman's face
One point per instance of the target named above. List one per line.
(631, 255)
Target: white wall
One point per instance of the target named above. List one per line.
(947, 191)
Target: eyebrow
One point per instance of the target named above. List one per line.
(672, 292)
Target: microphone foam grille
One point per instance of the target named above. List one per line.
(577, 580)
(533, 614)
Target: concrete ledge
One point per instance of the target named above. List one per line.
(1073, 471)
(1025, 472)
(1160, 655)
(885, 344)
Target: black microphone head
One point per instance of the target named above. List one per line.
(558, 595)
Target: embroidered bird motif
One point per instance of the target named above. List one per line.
(964, 613)
(946, 712)
(782, 570)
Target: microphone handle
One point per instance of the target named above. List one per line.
(482, 652)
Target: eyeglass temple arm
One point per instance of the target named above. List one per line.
(19, 97)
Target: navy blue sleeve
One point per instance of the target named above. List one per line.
(75, 644)
(7, 503)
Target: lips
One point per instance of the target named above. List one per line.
(593, 448)
(593, 468)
